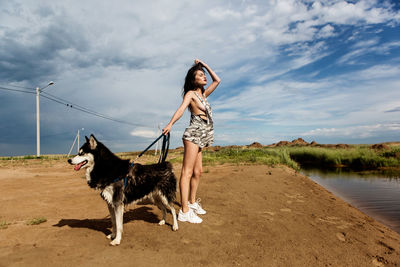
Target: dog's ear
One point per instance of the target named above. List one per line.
(92, 142)
(87, 139)
(92, 136)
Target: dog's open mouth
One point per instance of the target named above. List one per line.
(80, 165)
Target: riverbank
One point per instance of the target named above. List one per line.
(374, 194)
(257, 215)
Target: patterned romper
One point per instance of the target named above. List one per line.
(200, 131)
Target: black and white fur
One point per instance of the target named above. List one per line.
(105, 171)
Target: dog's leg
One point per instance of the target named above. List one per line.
(161, 206)
(112, 215)
(172, 209)
(119, 219)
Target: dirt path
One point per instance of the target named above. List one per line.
(257, 216)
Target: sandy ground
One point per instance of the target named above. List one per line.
(257, 216)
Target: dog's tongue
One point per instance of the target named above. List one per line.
(78, 166)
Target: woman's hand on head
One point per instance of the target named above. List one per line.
(198, 61)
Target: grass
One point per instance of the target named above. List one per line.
(36, 221)
(28, 157)
(33, 221)
(356, 157)
(4, 225)
(245, 156)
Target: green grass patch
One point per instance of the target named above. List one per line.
(4, 224)
(36, 221)
(245, 156)
(356, 157)
(249, 156)
(30, 157)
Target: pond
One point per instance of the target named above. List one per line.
(377, 195)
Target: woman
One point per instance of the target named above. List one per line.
(199, 134)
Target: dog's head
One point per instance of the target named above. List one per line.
(85, 158)
(102, 166)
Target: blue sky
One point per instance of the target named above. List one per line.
(327, 71)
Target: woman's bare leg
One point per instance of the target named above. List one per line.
(194, 182)
(189, 159)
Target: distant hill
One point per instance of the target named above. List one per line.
(302, 142)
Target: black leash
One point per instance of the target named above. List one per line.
(164, 148)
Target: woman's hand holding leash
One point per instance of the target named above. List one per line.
(166, 129)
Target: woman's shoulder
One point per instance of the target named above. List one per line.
(190, 94)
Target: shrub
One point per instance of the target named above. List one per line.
(36, 221)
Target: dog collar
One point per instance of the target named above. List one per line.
(125, 180)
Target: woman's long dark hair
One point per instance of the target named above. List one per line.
(189, 80)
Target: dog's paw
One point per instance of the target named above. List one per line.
(162, 222)
(111, 236)
(115, 242)
(175, 228)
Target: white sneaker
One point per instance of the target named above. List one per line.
(196, 207)
(189, 216)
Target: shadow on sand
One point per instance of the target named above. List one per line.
(102, 225)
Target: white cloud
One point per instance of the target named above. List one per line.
(379, 72)
(364, 47)
(366, 43)
(326, 31)
(386, 47)
(355, 132)
(146, 133)
(275, 20)
(342, 12)
(220, 13)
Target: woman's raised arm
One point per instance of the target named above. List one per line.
(214, 77)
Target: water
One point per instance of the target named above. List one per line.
(375, 195)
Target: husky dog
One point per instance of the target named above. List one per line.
(122, 183)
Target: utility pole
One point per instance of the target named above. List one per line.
(38, 91)
(77, 148)
(37, 124)
(73, 144)
(158, 133)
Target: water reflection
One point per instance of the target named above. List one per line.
(375, 194)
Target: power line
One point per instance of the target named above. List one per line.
(22, 87)
(17, 90)
(57, 134)
(72, 105)
(94, 113)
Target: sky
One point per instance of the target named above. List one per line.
(325, 71)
